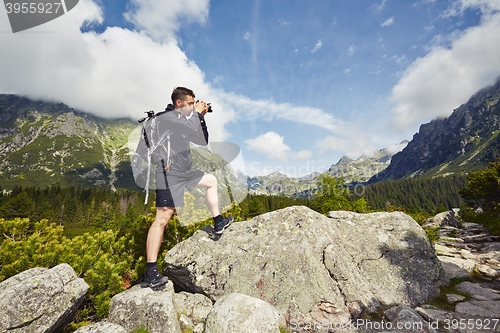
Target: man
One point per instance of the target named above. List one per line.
(184, 120)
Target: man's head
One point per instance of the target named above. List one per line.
(183, 100)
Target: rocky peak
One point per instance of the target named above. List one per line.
(466, 140)
(277, 175)
(344, 161)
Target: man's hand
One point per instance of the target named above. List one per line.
(201, 107)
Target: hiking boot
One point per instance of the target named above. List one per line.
(154, 279)
(219, 227)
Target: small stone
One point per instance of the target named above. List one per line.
(454, 298)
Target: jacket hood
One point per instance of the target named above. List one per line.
(169, 108)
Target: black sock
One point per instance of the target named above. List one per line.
(150, 266)
(217, 219)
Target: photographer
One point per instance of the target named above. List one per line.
(184, 120)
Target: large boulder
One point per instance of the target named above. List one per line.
(40, 299)
(237, 313)
(145, 308)
(310, 267)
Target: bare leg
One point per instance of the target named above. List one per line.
(210, 182)
(155, 233)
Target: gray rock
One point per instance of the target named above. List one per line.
(442, 250)
(454, 298)
(443, 219)
(311, 267)
(434, 315)
(466, 264)
(406, 320)
(492, 247)
(237, 313)
(40, 299)
(477, 292)
(144, 308)
(393, 255)
(101, 327)
(185, 322)
(488, 270)
(195, 306)
(453, 271)
(484, 309)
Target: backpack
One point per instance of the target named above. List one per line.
(151, 144)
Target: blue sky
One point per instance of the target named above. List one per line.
(296, 84)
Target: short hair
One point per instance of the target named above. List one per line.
(181, 93)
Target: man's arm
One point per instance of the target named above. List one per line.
(200, 137)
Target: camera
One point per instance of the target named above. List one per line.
(209, 106)
(150, 114)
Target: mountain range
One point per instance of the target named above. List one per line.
(465, 141)
(49, 143)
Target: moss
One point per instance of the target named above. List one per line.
(441, 302)
(140, 330)
(74, 326)
(432, 234)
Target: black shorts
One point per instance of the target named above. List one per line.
(170, 186)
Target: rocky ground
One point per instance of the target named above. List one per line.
(398, 266)
(470, 256)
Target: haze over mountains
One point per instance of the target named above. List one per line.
(43, 143)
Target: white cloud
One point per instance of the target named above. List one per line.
(379, 7)
(351, 51)
(436, 84)
(247, 35)
(271, 145)
(487, 7)
(352, 147)
(395, 148)
(397, 59)
(284, 23)
(302, 155)
(162, 19)
(267, 110)
(118, 73)
(318, 46)
(387, 23)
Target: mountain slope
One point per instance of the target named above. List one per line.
(51, 144)
(467, 140)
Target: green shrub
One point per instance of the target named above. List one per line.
(104, 260)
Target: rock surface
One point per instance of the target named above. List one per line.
(140, 307)
(311, 267)
(237, 313)
(101, 327)
(40, 299)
